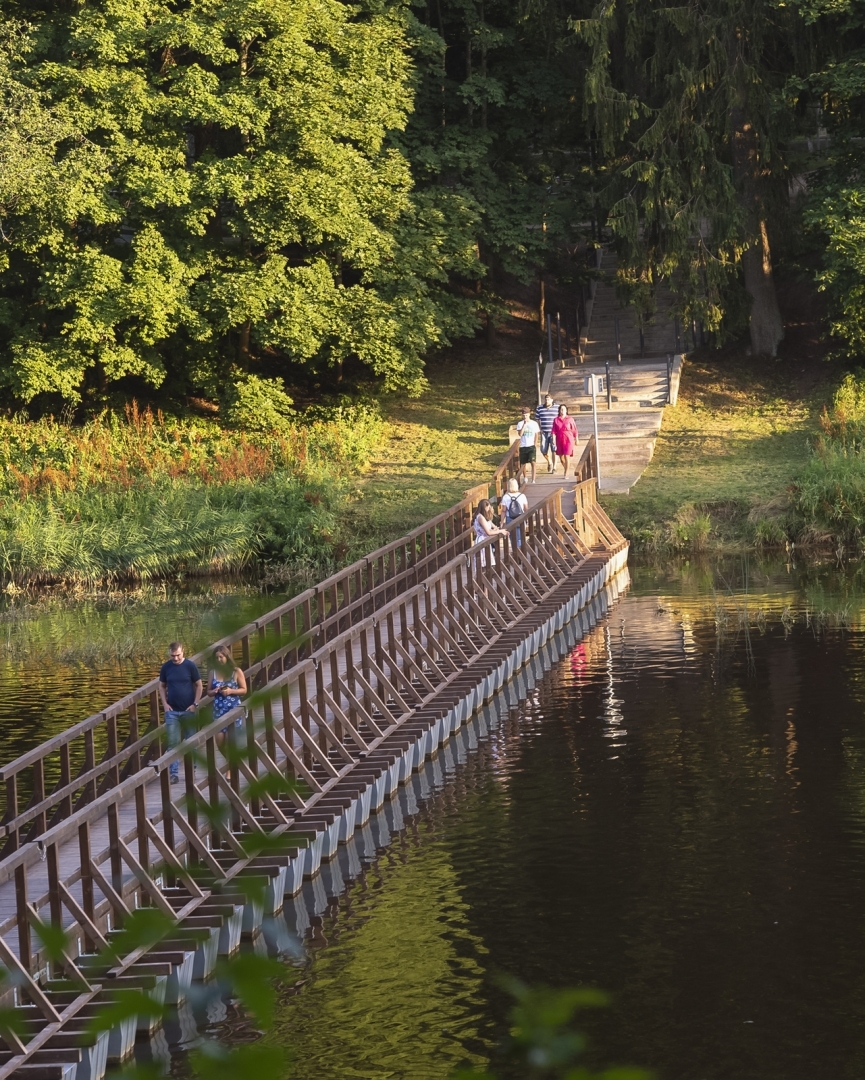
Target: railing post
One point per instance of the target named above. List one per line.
(618, 341)
(549, 337)
(609, 387)
(669, 379)
(25, 945)
(559, 335)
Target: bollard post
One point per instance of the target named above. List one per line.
(609, 387)
(593, 380)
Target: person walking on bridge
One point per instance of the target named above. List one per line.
(545, 415)
(180, 688)
(528, 431)
(566, 436)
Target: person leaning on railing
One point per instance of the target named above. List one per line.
(484, 528)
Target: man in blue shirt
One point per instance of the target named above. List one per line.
(180, 688)
(545, 415)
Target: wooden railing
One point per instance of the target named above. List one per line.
(97, 753)
(168, 846)
(509, 469)
(60, 776)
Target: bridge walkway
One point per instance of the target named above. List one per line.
(355, 683)
(643, 360)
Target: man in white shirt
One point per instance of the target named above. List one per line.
(528, 430)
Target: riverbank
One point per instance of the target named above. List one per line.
(145, 496)
(728, 455)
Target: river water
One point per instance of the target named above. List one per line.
(675, 814)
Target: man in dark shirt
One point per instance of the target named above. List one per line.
(180, 688)
(545, 415)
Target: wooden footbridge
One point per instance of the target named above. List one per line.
(356, 681)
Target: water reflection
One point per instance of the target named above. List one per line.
(676, 813)
(64, 657)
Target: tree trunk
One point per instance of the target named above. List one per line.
(767, 329)
(244, 337)
(541, 304)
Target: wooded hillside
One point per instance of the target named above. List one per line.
(210, 197)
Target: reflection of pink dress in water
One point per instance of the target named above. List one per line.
(578, 662)
(565, 432)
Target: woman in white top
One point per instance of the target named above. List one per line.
(484, 528)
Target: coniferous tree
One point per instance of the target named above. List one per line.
(688, 105)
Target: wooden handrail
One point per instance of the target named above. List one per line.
(72, 768)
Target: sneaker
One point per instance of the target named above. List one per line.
(175, 779)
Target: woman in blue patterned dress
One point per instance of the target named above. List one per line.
(226, 692)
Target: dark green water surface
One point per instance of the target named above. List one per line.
(676, 814)
(64, 657)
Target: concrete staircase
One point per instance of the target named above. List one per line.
(640, 387)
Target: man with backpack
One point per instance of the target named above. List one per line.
(512, 505)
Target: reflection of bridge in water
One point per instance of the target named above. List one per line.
(357, 681)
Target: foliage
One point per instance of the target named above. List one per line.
(687, 105)
(146, 496)
(830, 493)
(254, 404)
(544, 1040)
(203, 184)
(837, 215)
(496, 140)
(844, 424)
(830, 490)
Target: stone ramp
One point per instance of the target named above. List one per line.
(641, 386)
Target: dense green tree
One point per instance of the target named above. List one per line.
(690, 104)
(213, 184)
(496, 138)
(835, 202)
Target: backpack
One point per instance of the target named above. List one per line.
(514, 509)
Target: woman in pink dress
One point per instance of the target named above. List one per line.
(565, 432)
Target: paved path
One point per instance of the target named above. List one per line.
(627, 430)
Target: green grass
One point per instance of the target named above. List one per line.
(728, 454)
(450, 439)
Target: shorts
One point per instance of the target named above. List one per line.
(527, 454)
(548, 444)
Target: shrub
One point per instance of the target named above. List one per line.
(143, 495)
(830, 492)
(690, 528)
(254, 404)
(844, 423)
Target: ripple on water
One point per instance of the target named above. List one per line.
(675, 814)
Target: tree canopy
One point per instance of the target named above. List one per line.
(205, 192)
